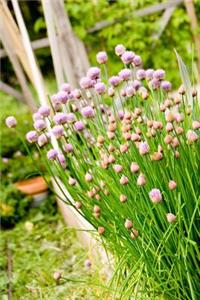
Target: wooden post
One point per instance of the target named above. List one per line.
(189, 4)
(53, 40)
(6, 88)
(18, 71)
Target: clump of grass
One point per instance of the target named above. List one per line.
(40, 247)
(132, 169)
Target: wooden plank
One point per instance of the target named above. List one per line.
(54, 42)
(137, 13)
(190, 8)
(37, 44)
(163, 22)
(12, 31)
(6, 88)
(8, 45)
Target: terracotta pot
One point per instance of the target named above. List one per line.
(32, 186)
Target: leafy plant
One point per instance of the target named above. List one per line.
(123, 166)
(13, 205)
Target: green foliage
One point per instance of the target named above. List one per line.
(10, 140)
(13, 205)
(40, 246)
(135, 33)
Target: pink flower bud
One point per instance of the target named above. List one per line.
(118, 168)
(101, 230)
(170, 217)
(71, 181)
(135, 137)
(44, 111)
(196, 125)
(39, 125)
(88, 177)
(123, 198)
(96, 209)
(42, 140)
(124, 148)
(169, 117)
(32, 136)
(134, 167)
(11, 122)
(169, 127)
(102, 57)
(168, 139)
(143, 148)
(192, 136)
(124, 180)
(134, 234)
(111, 159)
(141, 180)
(111, 92)
(78, 204)
(155, 195)
(52, 154)
(110, 135)
(128, 224)
(57, 275)
(119, 49)
(172, 185)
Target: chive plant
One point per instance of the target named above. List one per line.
(133, 171)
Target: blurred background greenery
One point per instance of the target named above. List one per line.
(136, 33)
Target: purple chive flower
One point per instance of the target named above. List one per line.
(11, 122)
(102, 57)
(58, 131)
(44, 111)
(65, 87)
(86, 83)
(62, 97)
(143, 148)
(39, 125)
(93, 73)
(5, 160)
(87, 112)
(119, 49)
(166, 86)
(100, 88)
(32, 136)
(125, 74)
(68, 148)
(130, 91)
(115, 80)
(137, 60)
(127, 57)
(141, 74)
(155, 195)
(121, 114)
(159, 74)
(76, 93)
(62, 160)
(56, 102)
(154, 83)
(79, 125)
(149, 74)
(136, 84)
(37, 116)
(60, 118)
(70, 117)
(52, 154)
(111, 92)
(42, 140)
